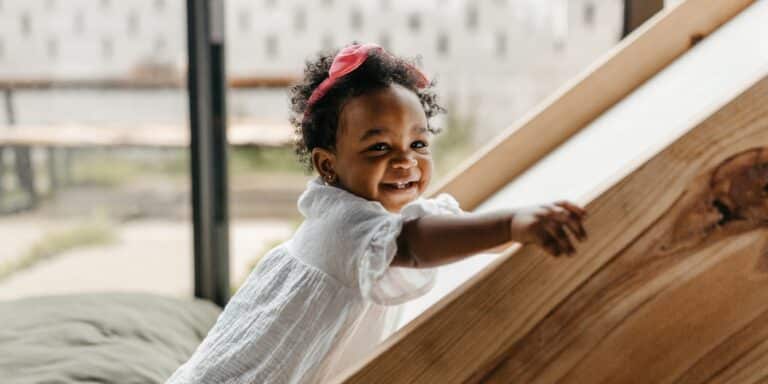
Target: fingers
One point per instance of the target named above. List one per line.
(554, 238)
(556, 231)
(550, 245)
(575, 218)
(572, 207)
(557, 218)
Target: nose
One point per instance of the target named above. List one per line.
(404, 161)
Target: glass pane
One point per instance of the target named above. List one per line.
(94, 173)
(493, 62)
(265, 179)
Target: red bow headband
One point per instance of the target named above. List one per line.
(346, 61)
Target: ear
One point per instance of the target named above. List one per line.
(324, 161)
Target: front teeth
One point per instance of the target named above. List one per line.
(401, 185)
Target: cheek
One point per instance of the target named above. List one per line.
(376, 172)
(369, 172)
(425, 166)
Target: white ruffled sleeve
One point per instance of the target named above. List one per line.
(354, 240)
(386, 285)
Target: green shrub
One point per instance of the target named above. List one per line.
(52, 244)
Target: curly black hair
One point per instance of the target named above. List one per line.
(378, 71)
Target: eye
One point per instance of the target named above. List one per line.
(419, 144)
(378, 147)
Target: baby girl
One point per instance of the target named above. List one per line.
(369, 241)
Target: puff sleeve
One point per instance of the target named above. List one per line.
(386, 285)
(354, 240)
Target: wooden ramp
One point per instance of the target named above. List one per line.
(672, 286)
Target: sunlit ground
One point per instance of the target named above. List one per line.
(122, 219)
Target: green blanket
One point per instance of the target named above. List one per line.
(99, 338)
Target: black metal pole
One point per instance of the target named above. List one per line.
(637, 12)
(208, 146)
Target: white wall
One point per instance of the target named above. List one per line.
(546, 42)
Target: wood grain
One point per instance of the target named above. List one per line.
(693, 279)
(658, 286)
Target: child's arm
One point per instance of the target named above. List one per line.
(435, 240)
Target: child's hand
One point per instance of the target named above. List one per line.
(545, 226)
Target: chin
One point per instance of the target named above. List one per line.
(397, 205)
(397, 199)
(395, 208)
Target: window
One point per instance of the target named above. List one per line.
(385, 42)
(26, 24)
(160, 45)
(52, 47)
(79, 23)
(442, 44)
(472, 18)
(106, 48)
(244, 20)
(414, 22)
(133, 23)
(356, 20)
(501, 44)
(558, 45)
(299, 20)
(100, 81)
(327, 42)
(589, 14)
(271, 46)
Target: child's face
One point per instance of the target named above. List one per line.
(382, 148)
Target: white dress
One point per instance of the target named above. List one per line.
(321, 300)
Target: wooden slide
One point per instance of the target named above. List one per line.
(672, 286)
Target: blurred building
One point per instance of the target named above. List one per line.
(493, 59)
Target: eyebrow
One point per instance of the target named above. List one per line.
(379, 131)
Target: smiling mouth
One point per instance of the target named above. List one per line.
(400, 186)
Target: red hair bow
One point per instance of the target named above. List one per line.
(346, 61)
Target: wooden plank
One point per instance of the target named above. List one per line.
(693, 284)
(481, 326)
(143, 82)
(255, 133)
(637, 58)
(629, 133)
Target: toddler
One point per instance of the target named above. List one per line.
(369, 242)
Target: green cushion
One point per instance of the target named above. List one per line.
(100, 337)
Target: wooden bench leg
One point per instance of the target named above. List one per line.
(53, 172)
(2, 176)
(65, 158)
(25, 174)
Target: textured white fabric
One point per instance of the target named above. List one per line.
(319, 301)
